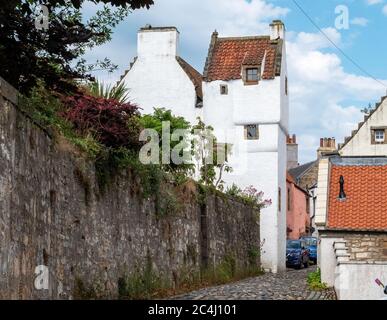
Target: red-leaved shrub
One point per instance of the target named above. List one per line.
(112, 123)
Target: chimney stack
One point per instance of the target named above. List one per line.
(292, 151)
(277, 30)
(327, 146)
(157, 42)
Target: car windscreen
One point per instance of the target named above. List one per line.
(310, 241)
(293, 244)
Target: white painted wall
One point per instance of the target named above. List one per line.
(322, 192)
(327, 260)
(157, 80)
(261, 163)
(360, 144)
(356, 281)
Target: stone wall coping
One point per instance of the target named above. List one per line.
(8, 92)
(357, 262)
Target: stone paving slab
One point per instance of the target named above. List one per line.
(289, 285)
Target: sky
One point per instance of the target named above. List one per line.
(327, 91)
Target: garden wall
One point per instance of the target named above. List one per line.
(55, 220)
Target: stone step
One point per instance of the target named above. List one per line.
(342, 252)
(341, 259)
(340, 245)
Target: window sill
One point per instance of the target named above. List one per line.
(251, 83)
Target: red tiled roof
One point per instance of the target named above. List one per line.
(365, 206)
(227, 55)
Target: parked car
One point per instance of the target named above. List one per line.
(297, 254)
(311, 244)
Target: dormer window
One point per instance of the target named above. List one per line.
(252, 75)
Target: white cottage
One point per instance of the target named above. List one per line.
(243, 96)
(158, 77)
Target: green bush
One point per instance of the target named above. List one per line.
(314, 281)
(45, 110)
(140, 284)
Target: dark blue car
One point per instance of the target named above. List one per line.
(297, 255)
(311, 244)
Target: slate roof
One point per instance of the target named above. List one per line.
(299, 171)
(226, 56)
(365, 185)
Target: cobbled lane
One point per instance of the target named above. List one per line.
(289, 285)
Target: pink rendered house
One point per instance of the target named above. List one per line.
(297, 213)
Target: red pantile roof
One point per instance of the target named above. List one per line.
(365, 206)
(227, 56)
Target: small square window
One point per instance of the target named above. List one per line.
(223, 89)
(252, 75)
(251, 132)
(379, 135)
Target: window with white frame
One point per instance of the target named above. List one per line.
(379, 135)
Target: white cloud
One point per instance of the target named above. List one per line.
(384, 10)
(373, 2)
(360, 21)
(313, 41)
(323, 96)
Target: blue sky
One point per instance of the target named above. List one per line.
(362, 41)
(326, 90)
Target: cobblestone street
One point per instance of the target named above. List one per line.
(289, 285)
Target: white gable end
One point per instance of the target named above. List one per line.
(362, 142)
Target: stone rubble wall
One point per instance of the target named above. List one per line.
(52, 213)
(367, 247)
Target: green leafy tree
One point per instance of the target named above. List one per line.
(210, 155)
(155, 121)
(54, 54)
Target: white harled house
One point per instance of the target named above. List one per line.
(243, 95)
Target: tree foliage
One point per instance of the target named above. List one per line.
(28, 54)
(99, 89)
(155, 121)
(112, 123)
(210, 155)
